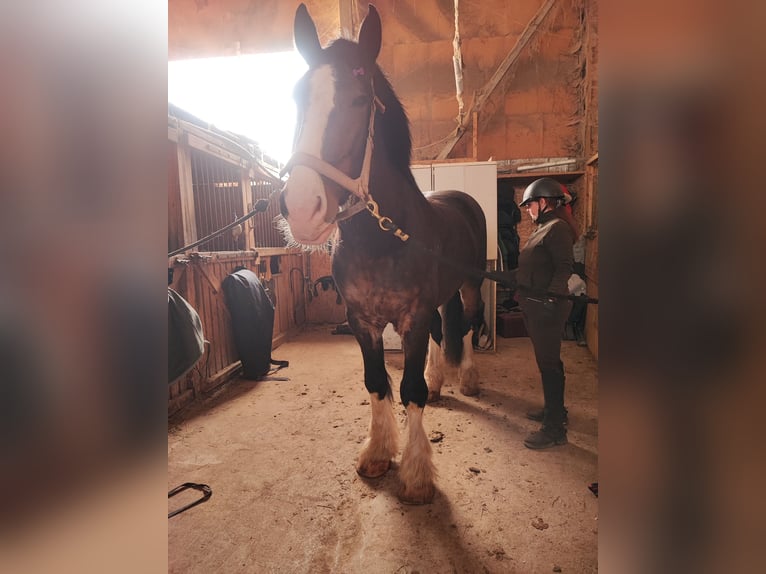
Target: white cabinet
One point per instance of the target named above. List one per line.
(423, 177)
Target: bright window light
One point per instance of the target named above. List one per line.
(248, 95)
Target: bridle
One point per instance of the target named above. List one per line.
(359, 187)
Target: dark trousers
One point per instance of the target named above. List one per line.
(544, 326)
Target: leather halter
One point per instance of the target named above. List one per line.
(359, 187)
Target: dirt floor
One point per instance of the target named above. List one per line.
(279, 456)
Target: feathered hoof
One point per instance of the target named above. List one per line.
(373, 468)
(469, 390)
(423, 494)
(433, 396)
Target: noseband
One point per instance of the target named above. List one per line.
(359, 187)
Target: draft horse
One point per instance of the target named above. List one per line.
(351, 187)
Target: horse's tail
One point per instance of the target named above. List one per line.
(453, 329)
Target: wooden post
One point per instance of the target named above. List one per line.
(191, 297)
(349, 18)
(247, 240)
(185, 185)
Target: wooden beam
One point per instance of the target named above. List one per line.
(188, 218)
(481, 96)
(246, 241)
(348, 10)
(457, 62)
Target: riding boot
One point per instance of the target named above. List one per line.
(553, 431)
(538, 415)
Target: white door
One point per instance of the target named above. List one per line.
(422, 174)
(479, 180)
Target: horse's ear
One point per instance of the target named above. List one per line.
(369, 35)
(305, 36)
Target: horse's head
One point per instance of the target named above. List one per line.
(335, 102)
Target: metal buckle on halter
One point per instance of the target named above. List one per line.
(385, 223)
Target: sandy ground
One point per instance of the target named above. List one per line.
(279, 456)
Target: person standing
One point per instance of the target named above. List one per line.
(545, 265)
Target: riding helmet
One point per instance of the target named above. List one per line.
(543, 187)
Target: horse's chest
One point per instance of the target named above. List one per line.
(379, 298)
(376, 299)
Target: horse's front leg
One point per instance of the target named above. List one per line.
(382, 438)
(417, 471)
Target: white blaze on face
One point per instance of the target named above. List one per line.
(305, 197)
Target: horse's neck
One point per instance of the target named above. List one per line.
(391, 187)
(396, 196)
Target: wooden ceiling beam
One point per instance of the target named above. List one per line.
(348, 11)
(481, 96)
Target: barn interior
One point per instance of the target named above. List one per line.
(497, 95)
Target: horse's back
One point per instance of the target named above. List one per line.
(463, 220)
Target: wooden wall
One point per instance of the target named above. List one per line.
(322, 308)
(533, 111)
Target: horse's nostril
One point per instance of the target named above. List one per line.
(318, 205)
(283, 204)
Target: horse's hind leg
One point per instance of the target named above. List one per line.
(416, 471)
(473, 317)
(382, 439)
(435, 364)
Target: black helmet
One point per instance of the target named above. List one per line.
(543, 187)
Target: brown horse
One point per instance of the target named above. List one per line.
(386, 236)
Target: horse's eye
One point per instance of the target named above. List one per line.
(360, 101)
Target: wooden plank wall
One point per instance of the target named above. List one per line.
(198, 279)
(535, 110)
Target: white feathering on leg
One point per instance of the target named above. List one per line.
(417, 471)
(468, 374)
(382, 441)
(434, 373)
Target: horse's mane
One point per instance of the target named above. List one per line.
(394, 127)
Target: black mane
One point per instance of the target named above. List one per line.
(393, 125)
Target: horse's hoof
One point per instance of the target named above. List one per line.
(373, 469)
(433, 396)
(469, 391)
(422, 495)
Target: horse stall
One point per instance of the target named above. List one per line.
(212, 181)
(309, 468)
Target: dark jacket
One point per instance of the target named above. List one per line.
(545, 262)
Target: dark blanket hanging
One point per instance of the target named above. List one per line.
(252, 320)
(186, 342)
